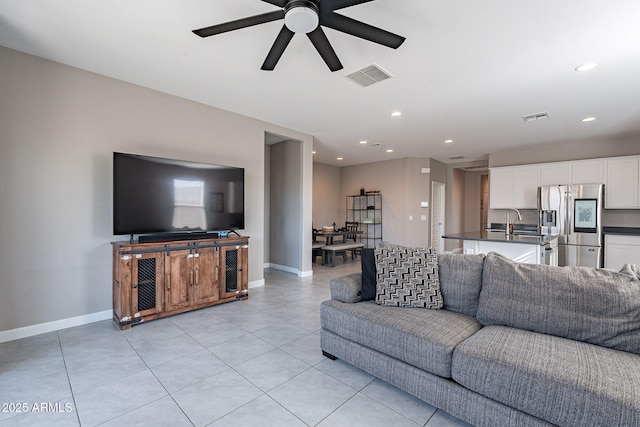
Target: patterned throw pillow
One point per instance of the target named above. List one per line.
(408, 277)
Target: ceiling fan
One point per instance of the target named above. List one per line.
(308, 16)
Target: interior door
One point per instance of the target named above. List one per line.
(437, 215)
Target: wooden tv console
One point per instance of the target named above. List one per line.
(154, 280)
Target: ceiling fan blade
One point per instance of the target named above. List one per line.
(329, 5)
(240, 23)
(279, 3)
(281, 43)
(324, 48)
(360, 29)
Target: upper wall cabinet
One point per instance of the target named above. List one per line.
(501, 188)
(525, 187)
(622, 186)
(517, 186)
(587, 172)
(513, 187)
(555, 173)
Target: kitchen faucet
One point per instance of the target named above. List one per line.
(509, 226)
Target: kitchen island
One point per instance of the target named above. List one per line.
(521, 247)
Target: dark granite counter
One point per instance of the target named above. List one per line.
(627, 231)
(500, 236)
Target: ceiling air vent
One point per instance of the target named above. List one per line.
(456, 157)
(534, 117)
(369, 75)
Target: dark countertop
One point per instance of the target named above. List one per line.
(500, 236)
(629, 231)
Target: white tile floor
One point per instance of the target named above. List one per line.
(247, 363)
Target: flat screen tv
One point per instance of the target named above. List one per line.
(152, 195)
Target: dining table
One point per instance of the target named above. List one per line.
(330, 235)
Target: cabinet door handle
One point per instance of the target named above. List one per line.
(168, 281)
(197, 276)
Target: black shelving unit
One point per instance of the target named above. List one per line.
(366, 210)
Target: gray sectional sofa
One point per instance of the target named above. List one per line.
(513, 345)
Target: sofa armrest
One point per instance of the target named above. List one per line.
(346, 288)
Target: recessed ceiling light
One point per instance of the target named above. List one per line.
(586, 67)
(363, 142)
(588, 119)
(448, 141)
(389, 151)
(396, 114)
(340, 158)
(313, 152)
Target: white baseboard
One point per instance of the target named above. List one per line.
(284, 268)
(56, 325)
(307, 273)
(256, 283)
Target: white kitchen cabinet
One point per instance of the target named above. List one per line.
(620, 250)
(501, 188)
(513, 187)
(587, 171)
(517, 186)
(555, 173)
(525, 187)
(622, 187)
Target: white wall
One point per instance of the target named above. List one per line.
(418, 185)
(326, 195)
(568, 150)
(390, 179)
(285, 200)
(403, 187)
(58, 128)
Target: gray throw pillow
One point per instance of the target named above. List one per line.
(407, 277)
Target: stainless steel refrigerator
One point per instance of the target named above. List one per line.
(574, 213)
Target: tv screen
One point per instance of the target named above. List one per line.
(155, 195)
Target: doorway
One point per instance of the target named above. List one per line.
(484, 202)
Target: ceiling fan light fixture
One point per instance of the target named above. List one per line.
(301, 16)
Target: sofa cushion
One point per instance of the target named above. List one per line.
(598, 306)
(422, 338)
(408, 277)
(564, 382)
(460, 281)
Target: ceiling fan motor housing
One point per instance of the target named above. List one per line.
(301, 16)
